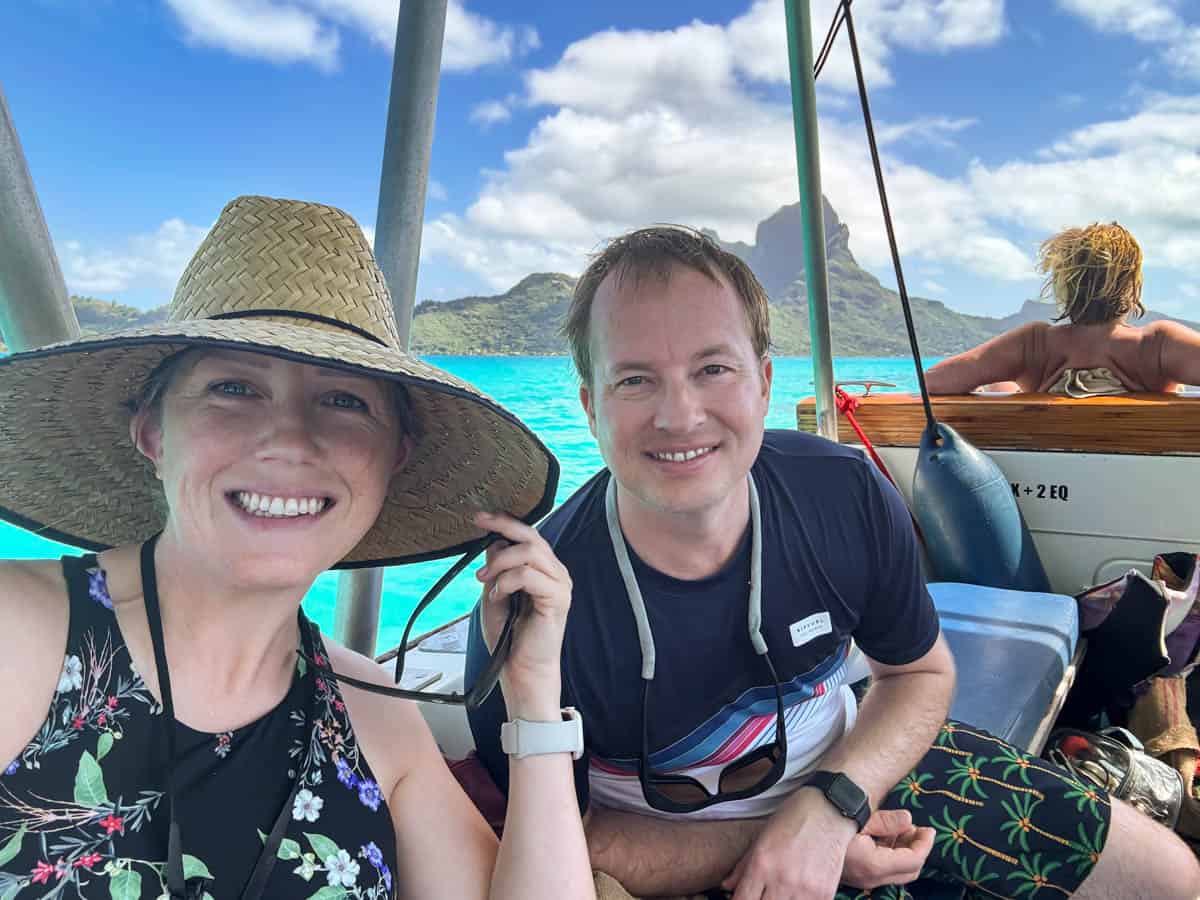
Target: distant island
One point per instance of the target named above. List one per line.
(865, 317)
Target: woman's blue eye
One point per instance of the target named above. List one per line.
(347, 401)
(231, 388)
(632, 381)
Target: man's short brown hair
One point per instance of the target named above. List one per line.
(655, 251)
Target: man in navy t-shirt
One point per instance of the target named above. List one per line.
(721, 573)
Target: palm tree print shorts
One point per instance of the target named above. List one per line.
(1005, 824)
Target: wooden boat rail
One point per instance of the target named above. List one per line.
(1142, 424)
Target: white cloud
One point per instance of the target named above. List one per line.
(307, 30)
(258, 28)
(935, 288)
(153, 261)
(1142, 171)
(492, 112)
(1150, 21)
(927, 129)
(759, 41)
(501, 261)
(669, 126)
(1172, 122)
(473, 41)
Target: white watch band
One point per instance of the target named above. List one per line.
(520, 737)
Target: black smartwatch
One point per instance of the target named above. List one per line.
(846, 796)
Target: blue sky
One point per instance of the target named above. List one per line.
(560, 124)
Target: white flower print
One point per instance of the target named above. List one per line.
(71, 678)
(307, 807)
(341, 870)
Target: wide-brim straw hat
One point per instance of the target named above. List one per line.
(292, 280)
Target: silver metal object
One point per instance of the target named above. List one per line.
(407, 148)
(356, 613)
(35, 309)
(808, 168)
(408, 145)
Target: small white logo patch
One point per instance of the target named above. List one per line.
(812, 627)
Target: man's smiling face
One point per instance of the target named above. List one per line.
(678, 394)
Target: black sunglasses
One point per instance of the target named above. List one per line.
(746, 777)
(482, 688)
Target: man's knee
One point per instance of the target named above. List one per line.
(1141, 859)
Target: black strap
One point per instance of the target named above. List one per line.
(299, 314)
(176, 884)
(842, 16)
(481, 689)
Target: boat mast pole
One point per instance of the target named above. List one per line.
(407, 148)
(35, 309)
(812, 213)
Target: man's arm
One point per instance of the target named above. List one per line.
(1006, 357)
(655, 857)
(897, 722)
(807, 846)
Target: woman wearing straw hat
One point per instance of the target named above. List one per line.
(1094, 275)
(193, 740)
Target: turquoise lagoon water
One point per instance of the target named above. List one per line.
(544, 392)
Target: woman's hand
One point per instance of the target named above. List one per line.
(531, 679)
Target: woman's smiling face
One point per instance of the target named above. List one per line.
(272, 469)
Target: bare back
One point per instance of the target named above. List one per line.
(1132, 354)
(1158, 357)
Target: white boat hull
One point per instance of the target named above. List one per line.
(1093, 516)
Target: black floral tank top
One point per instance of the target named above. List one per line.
(84, 810)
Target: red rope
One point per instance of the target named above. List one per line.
(846, 405)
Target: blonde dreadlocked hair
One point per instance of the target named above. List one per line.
(1094, 274)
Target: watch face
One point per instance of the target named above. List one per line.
(845, 794)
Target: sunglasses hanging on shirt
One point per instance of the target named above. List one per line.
(758, 770)
(487, 680)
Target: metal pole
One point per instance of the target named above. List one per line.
(356, 613)
(808, 168)
(407, 148)
(34, 307)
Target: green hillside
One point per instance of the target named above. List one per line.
(865, 317)
(524, 321)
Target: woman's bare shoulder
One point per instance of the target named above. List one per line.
(34, 619)
(31, 589)
(33, 610)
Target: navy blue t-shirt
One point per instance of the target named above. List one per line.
(837, 539)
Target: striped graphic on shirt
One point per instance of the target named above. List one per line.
(744, 724)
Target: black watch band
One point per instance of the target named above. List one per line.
(846, 796)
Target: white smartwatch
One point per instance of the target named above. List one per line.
(520, 737)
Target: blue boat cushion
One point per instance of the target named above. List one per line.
(1012, 649)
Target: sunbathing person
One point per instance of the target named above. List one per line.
(1095, 277)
